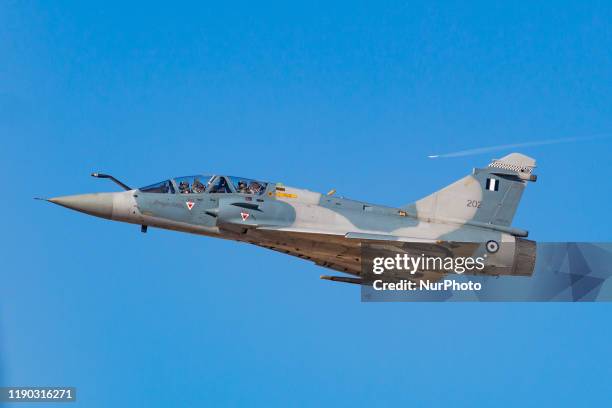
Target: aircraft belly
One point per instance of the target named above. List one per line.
(345, 255)
(326, 250)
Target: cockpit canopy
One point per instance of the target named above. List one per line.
(207, 184)
(192, 184)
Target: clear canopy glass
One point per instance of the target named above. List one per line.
(192, 184)
(163, 187)
(200, 184)
(248, 186)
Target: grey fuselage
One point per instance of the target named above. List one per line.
(325, 229)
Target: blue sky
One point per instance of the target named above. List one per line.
(351, 96)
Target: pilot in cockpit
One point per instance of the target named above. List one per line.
(197, 186)
(184, 187)
(242, 187)
(255, 188)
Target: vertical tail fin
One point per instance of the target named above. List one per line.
(490, 195)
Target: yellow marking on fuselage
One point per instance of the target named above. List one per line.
(286, 195)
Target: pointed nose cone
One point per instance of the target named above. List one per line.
(100, 205)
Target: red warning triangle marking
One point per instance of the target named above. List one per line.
(244, 215)
(190, 205)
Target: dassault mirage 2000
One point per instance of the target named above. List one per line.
(474, 214)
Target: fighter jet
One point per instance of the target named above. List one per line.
(470, 216)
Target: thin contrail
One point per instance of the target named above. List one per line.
(480, 150)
